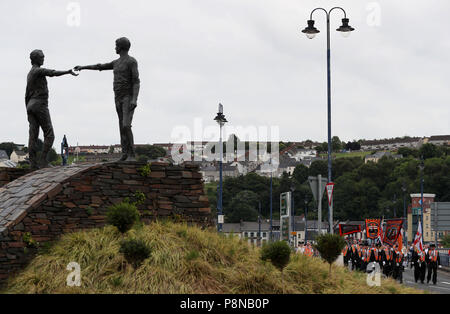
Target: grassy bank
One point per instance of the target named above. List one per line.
(183, 260)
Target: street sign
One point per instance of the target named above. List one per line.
(285, 226)
(330, 188)
(314, 184)
(317, 185)
(285, 204)
(220, 219)
(285, 215)
(440, 216)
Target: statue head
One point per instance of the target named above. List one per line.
(122, 44)
(37, 57)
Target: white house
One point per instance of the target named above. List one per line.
(18, 156)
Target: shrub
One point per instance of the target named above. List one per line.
(122, 215)
(277, 252)
(135, 251)
(329, 247)
(192, 255)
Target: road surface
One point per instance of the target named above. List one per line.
(442, 285)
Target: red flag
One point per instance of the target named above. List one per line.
(393, 227)
(418, 245)
(348, 229)
(372, 228)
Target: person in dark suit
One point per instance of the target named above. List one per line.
(433, 261)
(418, 260)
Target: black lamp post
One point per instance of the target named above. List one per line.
(306, 219)
(292, 210)
(310, 32)
(220, 119)
(271, 223)
(421, 166)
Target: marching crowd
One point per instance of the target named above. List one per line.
(392, 261)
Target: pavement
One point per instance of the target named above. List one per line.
(442, 286)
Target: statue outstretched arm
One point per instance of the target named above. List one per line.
(59, 73)
(97, 67)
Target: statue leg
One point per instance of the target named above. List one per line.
(119, 109)
(126, 123)
(43, 116)
(32, 139)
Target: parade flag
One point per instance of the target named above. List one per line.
(348, 229)
(372, 228)
(393, 227)
(400, 241)
(418, 239)
(380, 234)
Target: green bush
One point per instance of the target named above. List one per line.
(122, 215)
(277, 252)
(329, 247)
(134, 251)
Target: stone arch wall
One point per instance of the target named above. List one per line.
(49, 202)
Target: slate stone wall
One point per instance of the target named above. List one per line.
(10, 174)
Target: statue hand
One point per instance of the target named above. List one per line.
(73, 73)
(78, 68)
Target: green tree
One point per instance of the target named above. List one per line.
(322, 148)
(445, 241)
(151, 151)
(429, 150)
(278, 253)
(407, 151)
(9, 147)
(318, 167)
(329, 247)
(336, 144)
(300, 173)
(243, 207)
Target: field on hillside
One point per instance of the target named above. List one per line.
(183, 260)
(347, 155)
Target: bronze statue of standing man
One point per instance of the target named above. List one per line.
(36, 101)
(126, 91)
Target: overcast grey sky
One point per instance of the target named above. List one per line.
(389, 78)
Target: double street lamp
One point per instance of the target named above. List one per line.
(220, 119)
(311, 32)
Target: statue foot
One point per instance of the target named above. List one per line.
(124, 157)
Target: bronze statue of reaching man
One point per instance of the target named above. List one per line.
(126, 91)
(36, 101)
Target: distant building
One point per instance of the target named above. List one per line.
(439, 140)
(3, 155)
(389, 144)
(210, 170)
(414, 215)
(250, 230)
(18, 156)
(300, 154)
(378, 155)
